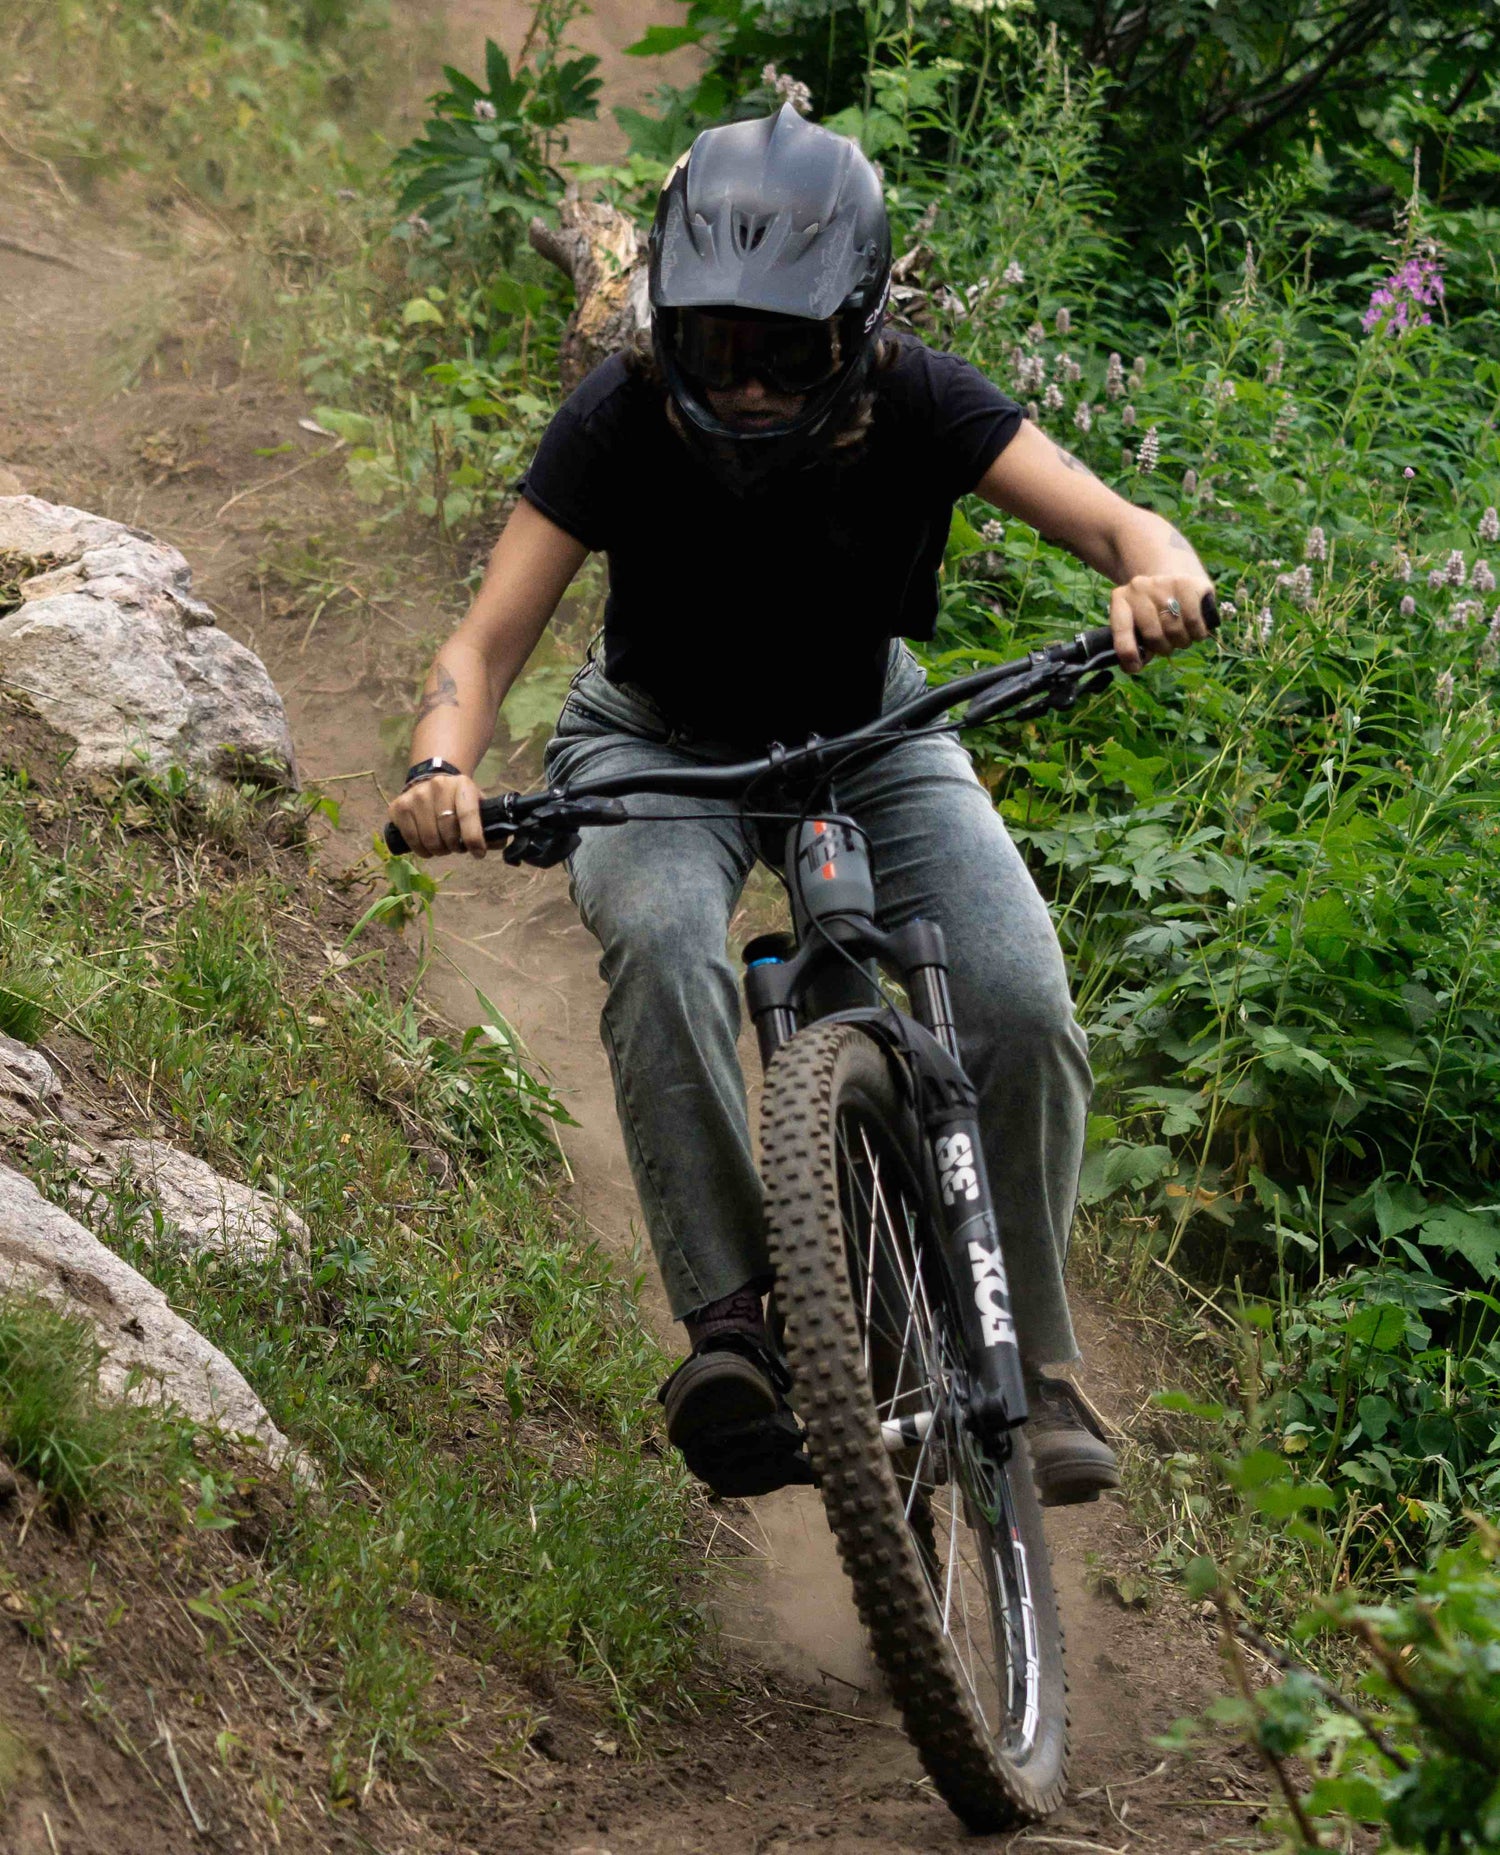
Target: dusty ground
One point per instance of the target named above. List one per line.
(802, 1751)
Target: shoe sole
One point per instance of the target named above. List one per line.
(727, 1391)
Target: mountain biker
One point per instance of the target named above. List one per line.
(773, 488)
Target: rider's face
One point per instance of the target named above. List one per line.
(751, 406)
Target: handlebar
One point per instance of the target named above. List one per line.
(1053, 677)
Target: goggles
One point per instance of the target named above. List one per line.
(786, 354)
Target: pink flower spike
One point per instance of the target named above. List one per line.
(1408, 472)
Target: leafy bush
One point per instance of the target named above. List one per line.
(1372, 82)
(1407, 1741)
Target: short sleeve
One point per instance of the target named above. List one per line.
(972, 421)
(568, 479)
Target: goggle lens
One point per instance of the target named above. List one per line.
(789, 356)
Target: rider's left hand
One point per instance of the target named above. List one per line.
(1155, 614)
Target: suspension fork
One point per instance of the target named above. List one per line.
(783, 977)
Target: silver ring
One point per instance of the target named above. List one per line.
(1174, 606)
(447, 814)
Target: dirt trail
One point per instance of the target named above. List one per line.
(817, 1760)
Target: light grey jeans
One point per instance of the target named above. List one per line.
(658, 898)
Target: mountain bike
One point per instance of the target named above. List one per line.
(891, 1302)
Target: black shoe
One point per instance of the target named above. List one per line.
(727, 1412)
(1070, 1459)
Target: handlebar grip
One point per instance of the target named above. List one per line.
(497, 816)
(1101, 638)
(1210, 611)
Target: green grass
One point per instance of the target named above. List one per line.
(473, 1381)
(85, 1456)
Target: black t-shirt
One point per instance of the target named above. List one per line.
(767, 616)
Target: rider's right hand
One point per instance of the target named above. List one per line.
(440, 816)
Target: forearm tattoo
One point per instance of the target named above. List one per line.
(1069, 462)
(1179, 541)
(442, 695)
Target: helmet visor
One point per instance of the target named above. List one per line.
(724, 350)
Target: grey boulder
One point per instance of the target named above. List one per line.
(202, 1209)
(111, 647)
(150, 1353)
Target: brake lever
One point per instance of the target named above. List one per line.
(552, 831)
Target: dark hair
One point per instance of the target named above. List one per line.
(640, 361)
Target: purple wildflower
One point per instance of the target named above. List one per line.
(1052, 399)
(1401, 565)
(1408, 606)
(1455, 571)
(1315, 547)
(1127, 417)
(484, 110)
(1436, 580)
(1297, 585)
(1150, 451)
(1442, 690)
(1286, 418)
(1013, 274)
(1114, 378)
(1083, 418)
(1190, 482)
(1127, 457)
(1063, 322)
(992, 534)
(1394, 305)
(1482, 579)
(1489, 525)
(1489, 651)
(1264, 624)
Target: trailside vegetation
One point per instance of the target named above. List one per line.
(1241, 264)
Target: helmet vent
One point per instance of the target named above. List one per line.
(749, 233)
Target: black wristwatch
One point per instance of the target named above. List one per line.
(429, 769)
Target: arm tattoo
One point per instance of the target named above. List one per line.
(442, 695)
(1069, 462)
(1179, 541)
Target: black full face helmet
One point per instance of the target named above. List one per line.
(771, 257)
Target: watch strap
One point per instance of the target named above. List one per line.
(429, 769)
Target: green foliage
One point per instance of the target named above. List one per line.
(85, 1456)
(1360, 85)
(1408, 1743)
(471, 1379)
(225, 100)
(486, 150)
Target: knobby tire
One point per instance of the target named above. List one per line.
(830, 1079)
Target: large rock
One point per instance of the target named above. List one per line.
(149, 1352)
(28, 1083)
(100, 631)
(202, 1209)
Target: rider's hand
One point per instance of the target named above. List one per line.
(439, 816)
(1157, 613)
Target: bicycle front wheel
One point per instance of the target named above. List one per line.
(940, 1535)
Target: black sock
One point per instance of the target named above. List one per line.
(740, 1312)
